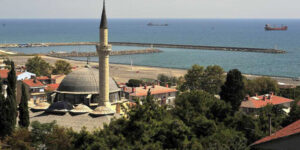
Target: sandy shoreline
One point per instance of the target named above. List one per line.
(122, 72)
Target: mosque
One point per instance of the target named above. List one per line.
(89, 86)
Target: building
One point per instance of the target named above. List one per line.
(57, 78)
(45, 80)
(253, 104)
(287, 138)
(164, 95)
(24, 75)
(35, 88)
(82, 86)
(20, 75)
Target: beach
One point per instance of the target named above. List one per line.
(122, 73)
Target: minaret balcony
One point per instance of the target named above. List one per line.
(103, 48)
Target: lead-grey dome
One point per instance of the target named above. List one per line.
(84, 81)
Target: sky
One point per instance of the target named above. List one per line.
(150, 8)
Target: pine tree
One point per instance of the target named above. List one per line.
(23, 109)
(233, 89)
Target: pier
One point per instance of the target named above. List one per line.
(157, 45)
(93, 54)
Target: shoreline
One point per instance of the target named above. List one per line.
(124, 72)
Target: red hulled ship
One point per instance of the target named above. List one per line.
(269, 27)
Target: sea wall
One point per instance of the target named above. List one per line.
(157, 45)
(93, 54)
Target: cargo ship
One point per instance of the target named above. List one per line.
(270, 28)
(152, 24)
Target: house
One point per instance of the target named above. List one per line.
(36, 89)
(287, 138)
(57, 78)
(52, 87)
(163, 94)
(45, 80)
(3, 73)
(20, 75)
(253, 104)
(24, 75)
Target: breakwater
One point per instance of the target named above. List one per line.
(157, 45)
(93, 54)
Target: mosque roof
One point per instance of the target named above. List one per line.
(84, 81)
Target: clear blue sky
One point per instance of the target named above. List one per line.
(150, 8)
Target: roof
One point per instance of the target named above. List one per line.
(42, 78)
(103, 24)
(289, 130)
(142, 91)
(32, 83)
(3, 73)
(52, 87)
(259, 102)
(84, 80)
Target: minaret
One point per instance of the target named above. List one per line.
(103, 50)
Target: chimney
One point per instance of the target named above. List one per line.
(247, 97)
(145, 86)
(256, 95)
(167, 85)
(133, 90)
(264, 97)
(153, 85)
(158, 83)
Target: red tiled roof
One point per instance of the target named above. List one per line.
(42, 78)
(18, 73)
(258, 102)
(52, 87)
(3, 73)
(31, 83)
(141, 91)
(291, 129)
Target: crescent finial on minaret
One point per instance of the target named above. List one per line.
(103, 24)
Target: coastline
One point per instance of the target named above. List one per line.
(124, 72)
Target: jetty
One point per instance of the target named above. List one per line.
(93, 54)
(156, 45)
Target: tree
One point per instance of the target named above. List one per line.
(62, 67)
(38, 66)
(233, 89)
(134, 83)
(214, 79)
(23, 109)
(193, 78)
(294, 114)
(10, 102)
(164, 80)
(261, 85)
(209, 79)
(20, 139)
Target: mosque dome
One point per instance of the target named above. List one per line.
(84, 81)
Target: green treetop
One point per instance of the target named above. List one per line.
(38, 66)
(62, 67)
(233, 89)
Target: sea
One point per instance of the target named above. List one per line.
(209, 32)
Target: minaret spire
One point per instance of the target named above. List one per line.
(103, 24)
